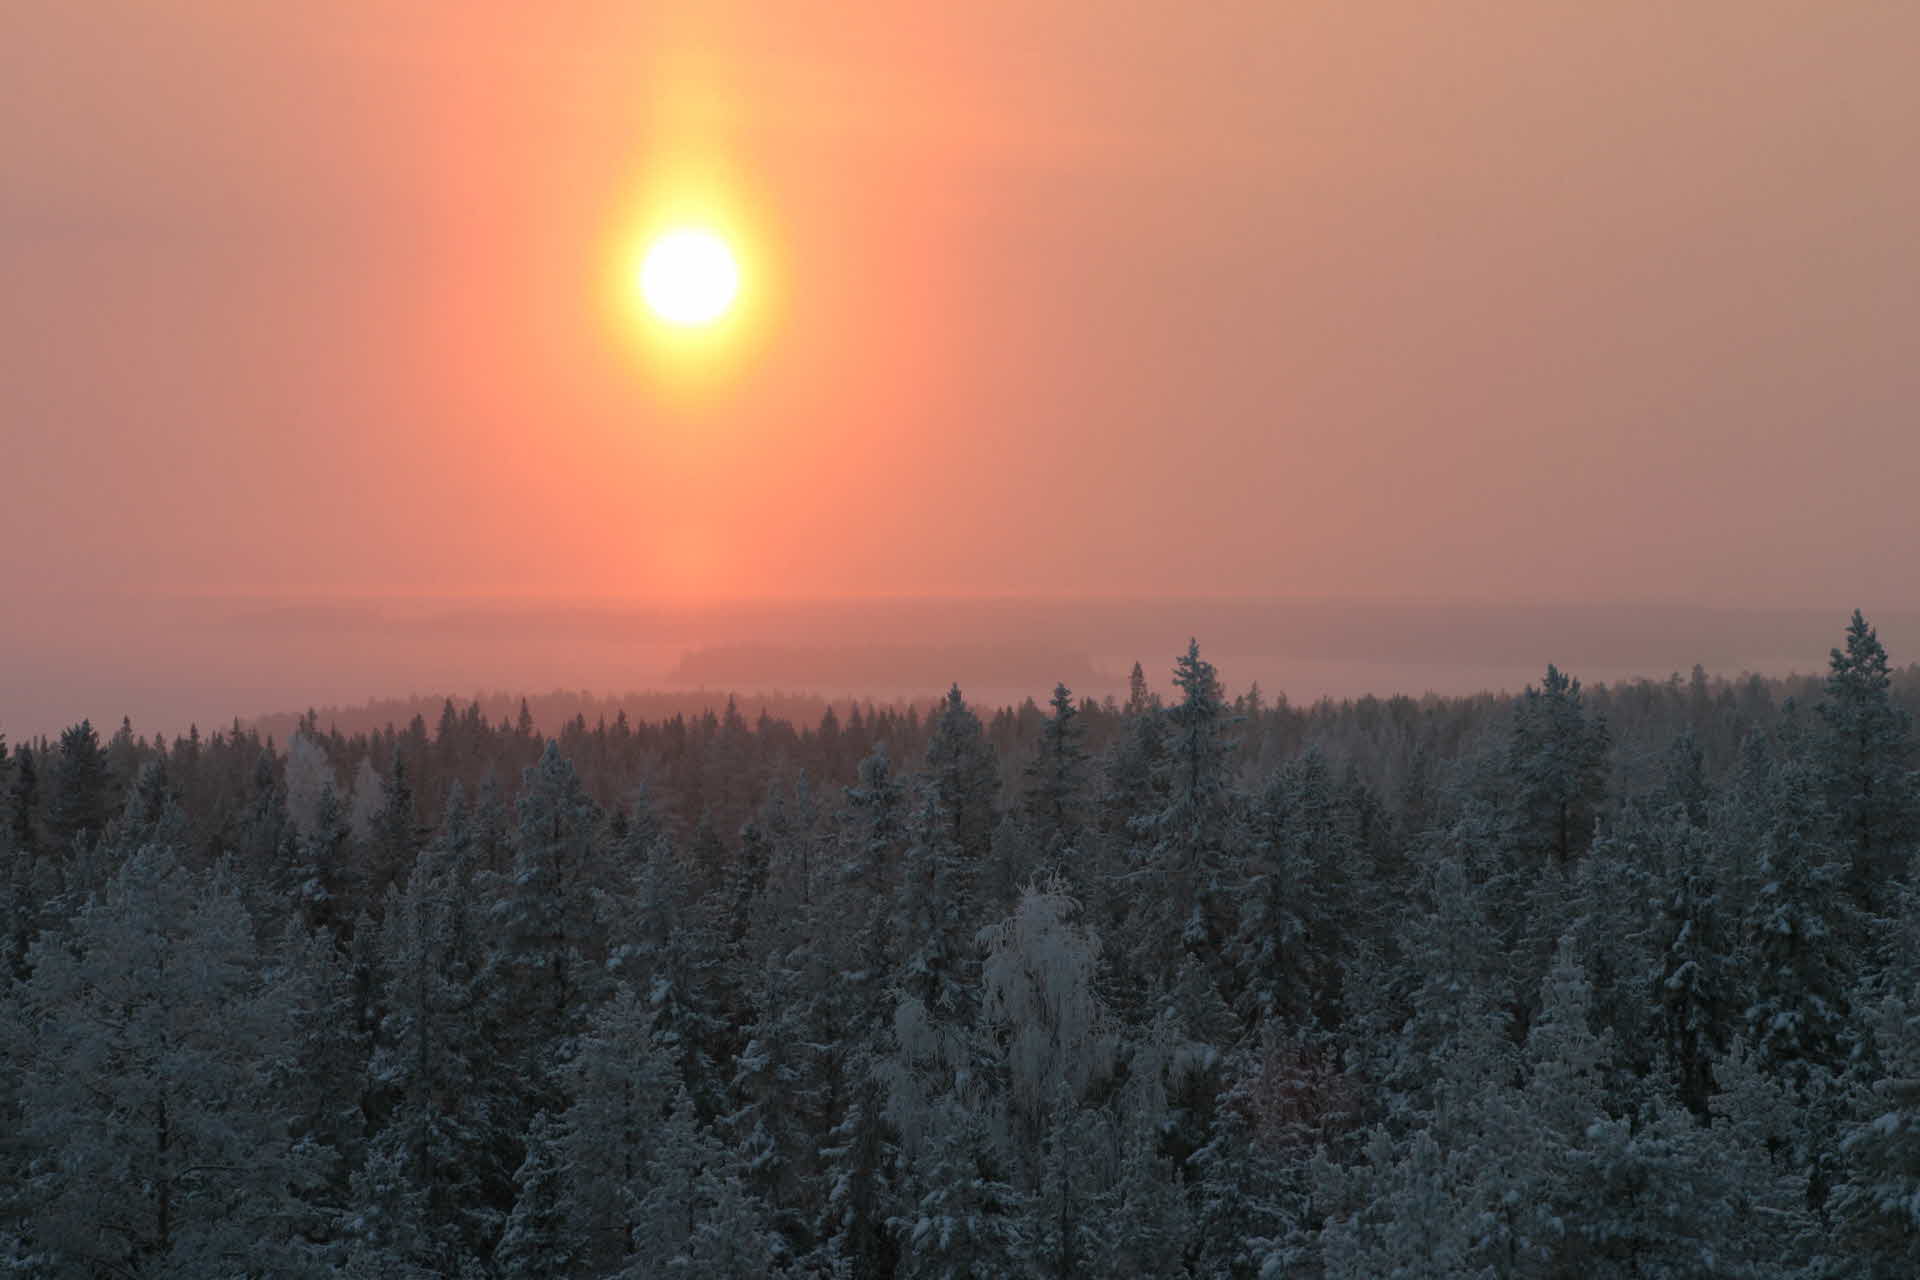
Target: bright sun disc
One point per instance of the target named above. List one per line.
(689, 278)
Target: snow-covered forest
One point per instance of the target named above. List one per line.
(1610, 981)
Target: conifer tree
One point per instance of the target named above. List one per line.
(620, 1085)
(550, 954)
(1865, 756)
(1799, 958)
(1693, 989)
(535, 1244)
(156, 1142)
(964, 1218)
(1056, 781)
(77, 807)
(24, 801)
(1877, 1204)
(671, 1209)
(1296, 904)
(864, 1191)
(448, 1119)
(1556, 765)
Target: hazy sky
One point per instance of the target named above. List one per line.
(1508, 300)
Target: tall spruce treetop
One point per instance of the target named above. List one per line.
(1056, 778)
(1865, 755)
(1191, 832)
(1556, 764)
(962, 772)
(1200, 747)
(78, 806)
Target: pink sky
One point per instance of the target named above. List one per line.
(1541, 301)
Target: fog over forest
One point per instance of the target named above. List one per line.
(1189, 979)
(172, 661)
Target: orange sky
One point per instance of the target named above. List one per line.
(1541, 299)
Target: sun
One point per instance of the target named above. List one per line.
(689, 278)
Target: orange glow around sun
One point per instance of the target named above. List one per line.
(690, 280)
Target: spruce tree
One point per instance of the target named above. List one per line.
(139, 1045)
(78, 805)
(1865, 755)
(1556, 767)
(1055, 784)
(964, 777)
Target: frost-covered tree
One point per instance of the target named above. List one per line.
(964, 1218)
(864, 1189)
(1184, 851)
(1401, 1217)
(781, 1090)
(448, 1122)
(536, 1243)
(1147, 1222)
(676, 1199)
(325, 880)
(1296, 907)
(368, 797)
(550, 949)
(1877, 1204)
(620, 1086)
(933, 919)
(1038, 996)
(1801, 935)
(141, 1045)
(1693, 990)
(309, 773)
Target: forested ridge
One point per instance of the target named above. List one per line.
(1593, 981)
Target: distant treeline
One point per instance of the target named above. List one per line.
(1592, 981)
(553, 711)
